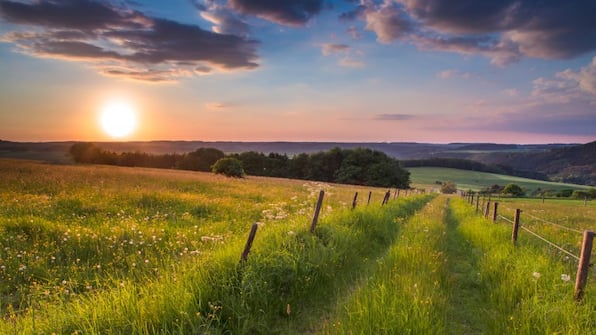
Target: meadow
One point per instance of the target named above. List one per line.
(109, 250)
(426, 177)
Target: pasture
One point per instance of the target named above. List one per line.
(426, 177)
(108, 250)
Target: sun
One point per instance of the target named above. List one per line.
(118, 119)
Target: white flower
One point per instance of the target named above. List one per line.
(565, 277)
(536, 275)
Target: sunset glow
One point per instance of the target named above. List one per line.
(118, 119)
(300, 70)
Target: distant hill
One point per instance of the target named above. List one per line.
(576, 164)
(572, 163)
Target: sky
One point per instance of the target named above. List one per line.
(433, 71)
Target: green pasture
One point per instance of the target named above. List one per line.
(111, 250)
(428, 177)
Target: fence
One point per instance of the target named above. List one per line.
(587, 241)
(315, 219)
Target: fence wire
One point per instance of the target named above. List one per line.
(506, 219)
(554, 224)
(550, 243)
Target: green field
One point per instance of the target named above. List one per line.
(108, 250)
(475, 181)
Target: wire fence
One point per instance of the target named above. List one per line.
(552, 244)
(586, 249)
(554, 224)
(544, 239)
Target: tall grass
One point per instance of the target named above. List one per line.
(99, 250)
(403, 295)
(453, 272)
(529, 290)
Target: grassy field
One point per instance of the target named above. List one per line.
(426, 177)
(108, 250)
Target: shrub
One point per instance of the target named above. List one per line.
(230, 167)
(513, 189)
(448, 187)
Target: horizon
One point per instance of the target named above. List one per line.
(307, 142)
(320, 71)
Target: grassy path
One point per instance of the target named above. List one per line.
(467, 302)
(428, 283)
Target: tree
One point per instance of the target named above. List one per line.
(448, 187)
(514, 190)
(200, 160)
(230, 167)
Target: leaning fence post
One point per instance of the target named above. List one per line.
(496, 206)
(251, 237)
(355, 200)
(487, 210)
(584, 265)
(515, 226)
(369, 195)
(386, 198)
(315, 217)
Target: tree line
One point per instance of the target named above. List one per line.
(466, 164)
(360, 166)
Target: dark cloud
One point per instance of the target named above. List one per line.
(286, 12)
(151, 49)
(463, 16)
(393, 117)
(503, 30)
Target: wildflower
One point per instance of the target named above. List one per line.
(291, 233)
(536, 275)
(565, 277)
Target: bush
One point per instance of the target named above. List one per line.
(448, 187)
(230, 167)
(514, 190)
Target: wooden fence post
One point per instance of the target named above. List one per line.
(386, 198)
(487, 210)
(496, 206)
(584, 265)
(398, 192)
(355, 200)
(369, 195)
(315, 217)
(395, 194)
(515, 226)
(477, 202)
(251, 237)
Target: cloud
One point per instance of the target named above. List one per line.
(504, 31)
(353, 31)
(347, 59)
(567, 86)
(224, 20)
(388, 21)
(394, 117)
(511, 92)
(447, 74)
(287, 12)
(332, 48)
(351, 63)
(123, 42)
(214, 106)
